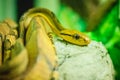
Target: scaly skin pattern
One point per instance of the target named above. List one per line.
(72, 36)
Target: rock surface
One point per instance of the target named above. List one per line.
(90, 62)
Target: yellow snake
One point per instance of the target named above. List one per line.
(72, 36)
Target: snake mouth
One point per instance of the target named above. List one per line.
(75, 36)
(65, 34)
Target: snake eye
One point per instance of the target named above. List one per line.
(76, 36)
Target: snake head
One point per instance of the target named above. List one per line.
(75, 37)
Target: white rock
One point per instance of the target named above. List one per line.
(90, 62)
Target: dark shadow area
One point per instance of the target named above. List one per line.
(23, 5)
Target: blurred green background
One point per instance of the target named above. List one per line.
(99, 19)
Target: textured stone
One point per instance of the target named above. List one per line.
(90, 62)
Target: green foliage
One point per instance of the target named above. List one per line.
(70, 19)
(8, 9)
